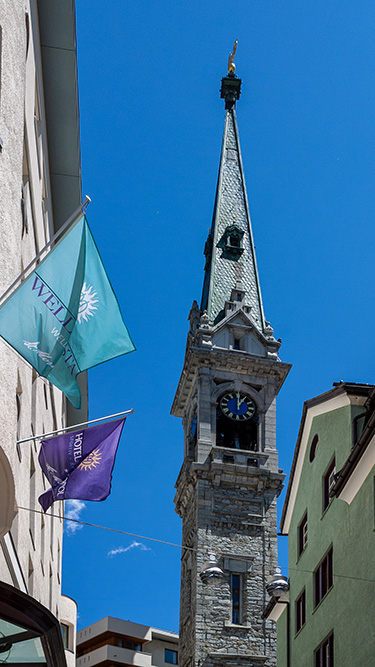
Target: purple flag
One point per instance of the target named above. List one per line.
(79, 465)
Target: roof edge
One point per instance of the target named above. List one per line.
(340, 388)
(359, 448)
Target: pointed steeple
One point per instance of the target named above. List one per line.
(231, 270)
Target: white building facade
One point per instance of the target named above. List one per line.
(113, 641)
(40, 188)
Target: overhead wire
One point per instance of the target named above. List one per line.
(173, 544)
(112, 530)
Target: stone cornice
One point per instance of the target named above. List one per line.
(223, 360)
(259, 480)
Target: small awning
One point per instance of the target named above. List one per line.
(29, 633)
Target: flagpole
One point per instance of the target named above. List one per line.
(70, 428)
(66, 224)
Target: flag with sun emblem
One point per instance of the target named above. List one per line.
(65, 318)
(79, 465)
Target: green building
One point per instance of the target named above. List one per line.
(327, 617)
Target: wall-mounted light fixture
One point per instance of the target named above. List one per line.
(211, 573)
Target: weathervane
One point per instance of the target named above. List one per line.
(230, 84)
(231, 65)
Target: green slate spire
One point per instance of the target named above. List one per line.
(231, 270)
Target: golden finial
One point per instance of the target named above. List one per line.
(231, 65)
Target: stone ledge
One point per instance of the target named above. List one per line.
(235, 626)
(238, 657)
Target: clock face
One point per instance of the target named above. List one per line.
(237, 406)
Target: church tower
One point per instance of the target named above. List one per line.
(226, 396)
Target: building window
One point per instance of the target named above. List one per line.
(234, 241)
(129, 644)
(237, 431)
(302, 535)
(235, 591)
(236, 344)
(192, 442)
(323, 577)
(301, 611)
(252, 462)
(170, 656)
(313, 447)
(324, 653)
(65, 634)
(328, 482)
(231, 243)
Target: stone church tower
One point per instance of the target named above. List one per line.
(226, 396)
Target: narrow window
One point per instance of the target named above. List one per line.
(27, 26)
(236, 598)
(328, 482)
(45, 398)
(18, 403)
(32, 494)
(30, 587)
(65, 634)
(324, 653)
(42, 540)
(234, 241)
(313, 447)
(302, 535)
(50, 586)
(323, 577)
(301, 611)
(170, 656)
(236, 344)
(192, 437)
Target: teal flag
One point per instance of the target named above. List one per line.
(65, 317)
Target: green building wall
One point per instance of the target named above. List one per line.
(348, 609)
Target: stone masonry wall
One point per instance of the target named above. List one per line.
(239, 525)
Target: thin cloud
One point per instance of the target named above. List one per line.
(123, 550)
(73, 509)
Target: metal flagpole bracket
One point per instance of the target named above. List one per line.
(75, 426)
(79, 210)
(86, 203)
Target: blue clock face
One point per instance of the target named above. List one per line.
(237, 406)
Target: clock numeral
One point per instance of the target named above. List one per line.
(238, 402)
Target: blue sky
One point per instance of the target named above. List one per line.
(151, 126)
